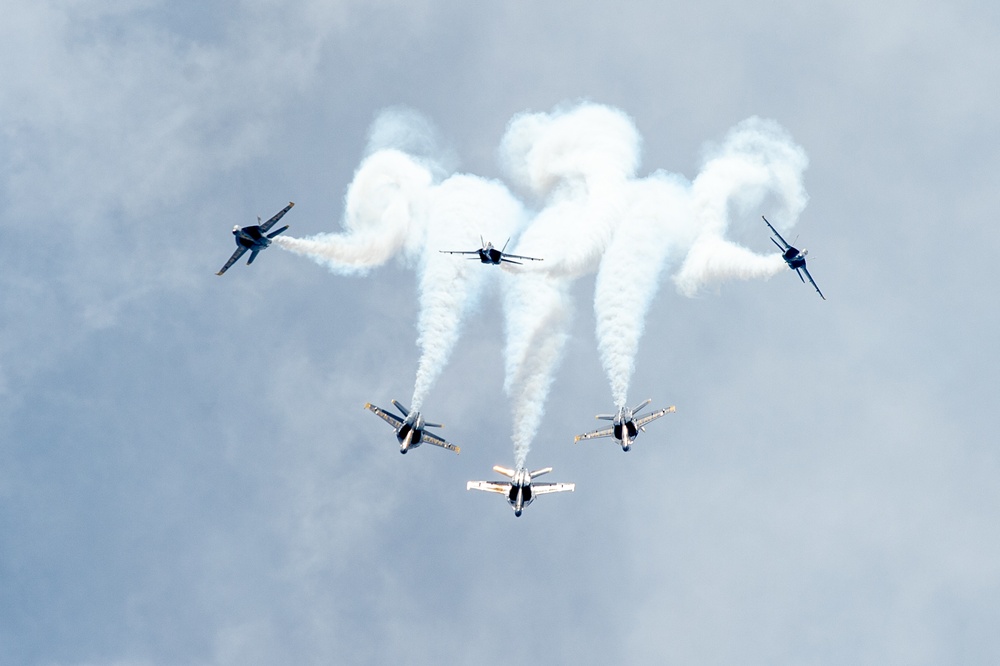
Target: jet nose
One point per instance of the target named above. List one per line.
(517, 513)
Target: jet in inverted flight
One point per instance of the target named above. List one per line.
(795, 258)
(625, 425)
(411, 430)
(520, 491)
(490, 255)
(255, 238)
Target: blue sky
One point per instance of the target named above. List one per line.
(186, 471)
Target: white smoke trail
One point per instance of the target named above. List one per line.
(578, 166)
(537, 312)
(384, 214)
(629, 274)
(394, 207)
(575, 162)
(461, 210)
(667, 218)
(757, 159)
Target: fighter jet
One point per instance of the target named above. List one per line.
(253, 238)
(411, 429)
(626, 426)
(490, 255)
(520, 491)
(795, 258)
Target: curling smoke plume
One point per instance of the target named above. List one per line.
(575, 164)
(396, 206)
(577, 169)
(668, 219)
(578, 164)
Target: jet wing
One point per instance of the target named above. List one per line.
(391, 419)
(653, 416)
(280, 214)
(489, 486)
(431, 438)
(233, 259)
(604, 432)
(783, 241)
(543, 488)
(517, 256)
(459, 251)
(813, 282)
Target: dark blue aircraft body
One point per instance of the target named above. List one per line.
(255, 238)
(795, 258)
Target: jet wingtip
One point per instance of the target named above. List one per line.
(368, 405)
(671, 409)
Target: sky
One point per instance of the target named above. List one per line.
(187, 473)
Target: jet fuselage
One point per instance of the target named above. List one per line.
(794, 258)
(520, 494)
(489, 254)
(410, 432)
(624, 429)
(251, 238)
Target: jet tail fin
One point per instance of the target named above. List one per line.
(275, 233)
(503, 470)
(433, 425)
(539, 472)
(253, 255)
(638, 408)
(404, 410)
(605, 417)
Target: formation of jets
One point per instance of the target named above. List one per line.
(488, 254)
(411, 429)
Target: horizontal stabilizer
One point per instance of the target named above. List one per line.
(539, 472)
(605, 417)
(275, 233)
(433, 425)
(641, 405)
(253, 255)
(503, 470)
